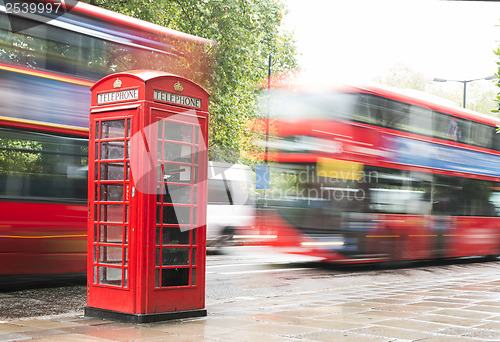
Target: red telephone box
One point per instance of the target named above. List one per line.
(147, 197)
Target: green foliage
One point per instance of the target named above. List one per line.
(13, 156)
(142, 9)
(246, 32)
(497, 110)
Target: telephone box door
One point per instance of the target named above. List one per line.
(180, 184)
(111, 212)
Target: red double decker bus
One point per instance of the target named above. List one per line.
(48, 60)
(371, 174)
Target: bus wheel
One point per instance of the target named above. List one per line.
(226, 237)
(491, 257)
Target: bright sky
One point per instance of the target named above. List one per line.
(361, 39)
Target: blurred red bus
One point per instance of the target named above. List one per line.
(48, 61)
(371, 174)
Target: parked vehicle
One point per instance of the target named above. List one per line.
(231, 208)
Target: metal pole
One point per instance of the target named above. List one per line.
(266, 162)
(465, 91)
(465, 84)
(268, 104)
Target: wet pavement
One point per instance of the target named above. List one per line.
(462, 306)
(32, 299)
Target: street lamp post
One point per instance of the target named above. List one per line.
(465, 82)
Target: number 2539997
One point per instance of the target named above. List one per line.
(24, 7)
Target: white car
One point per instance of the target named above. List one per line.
(230, 203)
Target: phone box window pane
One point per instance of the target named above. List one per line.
(175, 256)
(158, 236)
(96, 131)
(111, 234)
(160, 130)
(110, 255)
(195, 211)
(174, 236)
(110, 276)
(195, 233)
(178, 132)
(111, 171)
(112, 150)
(177, 173)
(176, 215)
(112, 129)
(179, 153)
(125, 277)
(111, 192)
(175, 277)
(111, 213)
(157, 278)
(193, 256)
(177, 194)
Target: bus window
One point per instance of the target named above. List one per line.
(42, 166)
(495, 198)
(496, 141)
(90, 48)
(379, 111)
(283, 105)
(481, 135)
(396, 115)
(451, 128)
(362, 111)
(421, 120)
(478, 198)
(447, 197)
(400, 192)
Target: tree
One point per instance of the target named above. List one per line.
(402, 76)
(480, 95)
(497, 110)
(246, 32)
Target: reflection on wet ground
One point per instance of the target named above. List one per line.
(456, 300)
